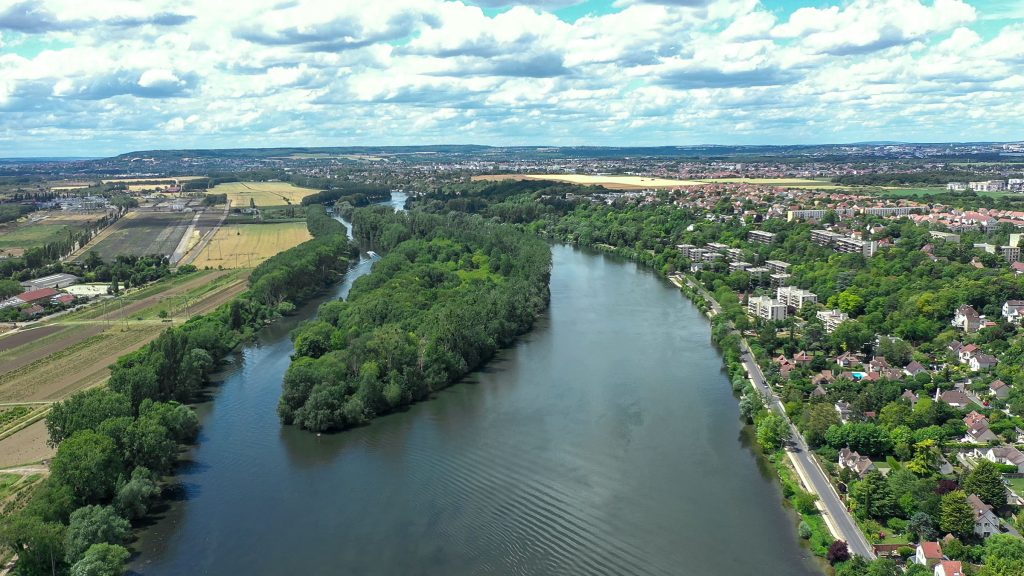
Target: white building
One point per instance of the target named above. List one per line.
(766, 308)
(795, 297)
(832, 319)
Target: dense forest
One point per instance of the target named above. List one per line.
(355, 194)
(451, 291)
(115, 443)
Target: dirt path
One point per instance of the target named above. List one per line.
(28, 445)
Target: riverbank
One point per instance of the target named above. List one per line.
(828, 508)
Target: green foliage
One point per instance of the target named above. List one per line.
(134, 497)
(865, 438)
(93, 525)
(40, 544)
(772, 431)
(986, 481)
(84, 410)
(957, 517)
(815, 421)
(923, 526)
(872, 498)
(88, 463)
(437, 306)
(101, 560)
(10, 288)
(1003, 555)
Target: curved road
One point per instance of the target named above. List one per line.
(810, 472)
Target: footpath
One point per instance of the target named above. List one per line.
(814, 479)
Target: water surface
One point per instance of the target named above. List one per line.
(606, 441)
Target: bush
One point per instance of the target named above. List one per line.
(838, 551)
(805, 531)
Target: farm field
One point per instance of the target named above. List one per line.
(262, 193)
(168, 180)
(787, 182)
(139, 234)
(246, 245)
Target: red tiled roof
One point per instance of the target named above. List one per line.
(932, 550)
(40, 294)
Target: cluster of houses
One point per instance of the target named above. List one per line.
(41, 293)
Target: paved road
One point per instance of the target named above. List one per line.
(810, 469)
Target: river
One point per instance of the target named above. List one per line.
(607, 441)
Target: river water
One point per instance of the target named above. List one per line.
(607, 441)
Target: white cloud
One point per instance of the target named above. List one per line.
(122, 72)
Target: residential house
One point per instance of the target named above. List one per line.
(978, 431)
(1004, 454)
(999, 389)
(823, 377)
(845, 410)
(982, 361)
(878, 364)
(1013, 310)
(861, 465)
(849, 360)
(949, 568)
(818, 392)
(1018, 268)
(956, 398)
(910, 397)
(914, 368)
(966, 352)
(986, 523)
(802, 357)
(954, 347)
(967, 319)
(928, 554)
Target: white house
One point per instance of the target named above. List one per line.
(928, 554)
(967, 319)
(985, 521)
(1013, 310)
(1005, 454)
(949, 568)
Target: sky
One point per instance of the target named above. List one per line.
(102, 77)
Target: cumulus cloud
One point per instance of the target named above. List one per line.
(300, 72)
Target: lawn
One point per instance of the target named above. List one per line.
(1017, 485)
(263, 194)
(246, 245)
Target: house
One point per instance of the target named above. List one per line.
(956, 398)
(1018, 268)
(978, 431)
(914, 368)
(910, 397)
(955, 347)
(1005, 454)
(986, 523)
(928, 554)
(861, 465)
(1013, 310)
(818, 392)
(949, 568)
(849, 360)
(976, 420)
(802, 357)
(999, 389)
(982, 361)
(823, 377)
(878, 364)
(64, 299)
(33, 311)
(40, 295)
(844, 409)
(966, 352)
(967, 319)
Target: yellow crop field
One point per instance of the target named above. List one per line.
(246, 245)
(262, 193)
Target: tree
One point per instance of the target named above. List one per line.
(84, 410)
(850, 303)
(750, 405)
(10, 288)
(884, 567)
(956, 517)
(838, 551)
(872, 498)
(815, 421)
(40, 544)
(88, 463)
(101, 560)
(134, 497)
(137, 383)
(922, 524)
(986, 481)
(1003, 556)
(772, 432)
(93, 525)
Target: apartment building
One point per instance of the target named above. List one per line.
(777, 266)
(795, 297)
(760, 237)
(832, 319)
(766, 308)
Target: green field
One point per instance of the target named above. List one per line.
(142, 234)
(926, 191)
(31, 235)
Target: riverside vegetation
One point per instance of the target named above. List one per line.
(115, 443)
(449, 293)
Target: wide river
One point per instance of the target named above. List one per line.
(606, 441)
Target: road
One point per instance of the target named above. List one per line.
(840, 521)
(809, 469)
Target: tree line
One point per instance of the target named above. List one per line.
(451, 291)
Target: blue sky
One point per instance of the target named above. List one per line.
(88, 78)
